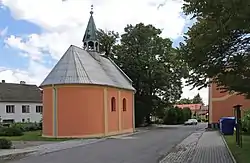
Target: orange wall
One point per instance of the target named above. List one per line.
(47, 112)
(222, 104)
(80, 110)
(127, 118)
(113, 121)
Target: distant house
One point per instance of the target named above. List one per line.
(193, 107)
(20, 102)
(203, 112)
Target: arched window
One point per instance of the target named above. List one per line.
(113, 104)
(124, 105)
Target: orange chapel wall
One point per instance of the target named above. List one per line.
(47, 112)
(81, 111)
(221, 104)
(126, 118)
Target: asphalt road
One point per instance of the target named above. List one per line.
(147, 147)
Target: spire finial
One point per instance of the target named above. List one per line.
(91, 11)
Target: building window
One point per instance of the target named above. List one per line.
(124, 107)
(113, 104)
(39, 109)
(8, 120)
(10, 108)
(25, 108)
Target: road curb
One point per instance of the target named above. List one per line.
(15, 155)
(230, 153)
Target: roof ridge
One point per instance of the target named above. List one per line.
(77, 73)
(20, 84)
(107, 72)
(70, 49)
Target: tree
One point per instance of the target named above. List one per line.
(152, 64)
(217, 46)
(197, 99)
(107, 41)
(185, 101)
(187, 113)
(173, 116)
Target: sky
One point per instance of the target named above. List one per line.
(34, 34)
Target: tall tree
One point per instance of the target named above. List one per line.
(197, 99)
(151, 62)
(107, 41)
(217, 45)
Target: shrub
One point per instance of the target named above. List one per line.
(173, 116)
(11, 131)
(5, 144)
(28, 126)
(187, 113)
(246, 122)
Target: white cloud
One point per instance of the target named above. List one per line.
(63, 23)
(3, 32)
(35, 74)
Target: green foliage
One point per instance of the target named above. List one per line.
(175, 115)
(197, 99)
(11, 131)
(5, 144)
(246, 121)
(187, 113)
(152, 64)
(28, 126)
(217, 45)
(185, 101)
(107, 40)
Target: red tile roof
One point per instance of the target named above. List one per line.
(193, 107)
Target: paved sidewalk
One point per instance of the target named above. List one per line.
(205, 147)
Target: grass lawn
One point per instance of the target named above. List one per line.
(33, 136)
(242, 155)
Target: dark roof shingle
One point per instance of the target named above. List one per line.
(10, 92)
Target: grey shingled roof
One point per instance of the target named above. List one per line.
(78, 66)
(10, 92)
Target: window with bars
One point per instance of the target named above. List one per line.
(39, 109)
(10, 108)
(25, 109)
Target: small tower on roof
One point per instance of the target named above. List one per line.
(90, 40)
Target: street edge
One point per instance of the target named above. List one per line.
(13, 156)
(22, 154)
(228, 149)
(95, 141)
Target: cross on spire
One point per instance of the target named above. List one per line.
(91, 11)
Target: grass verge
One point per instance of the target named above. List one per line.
(33, 136)
(242, 155)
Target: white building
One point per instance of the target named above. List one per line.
(20, 102)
